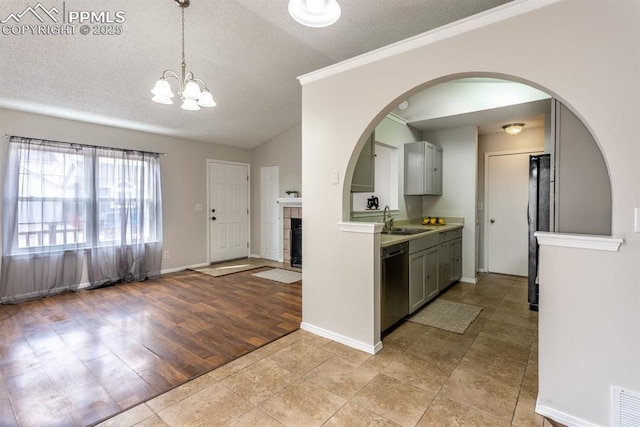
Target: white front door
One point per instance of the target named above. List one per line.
(507, 195)
(228, 211)
(269, 233)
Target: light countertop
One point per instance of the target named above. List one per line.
(389, 239)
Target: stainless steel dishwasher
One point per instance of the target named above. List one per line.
(394, 278)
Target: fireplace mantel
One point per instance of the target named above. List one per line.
(289, 201)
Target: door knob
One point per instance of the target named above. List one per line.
(492, 220)
(213, 218)
(213, 210)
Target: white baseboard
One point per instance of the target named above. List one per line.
(358, 345)
(188, 267)
(254, 256)
(482, 270)
(561, 417)
(469, 280)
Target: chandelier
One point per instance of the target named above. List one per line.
(192, 96)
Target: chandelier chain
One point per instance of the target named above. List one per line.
(183, 56)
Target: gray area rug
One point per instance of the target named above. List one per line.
(279, 275)
(448, 315)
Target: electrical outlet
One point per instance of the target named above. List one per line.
(166, 255)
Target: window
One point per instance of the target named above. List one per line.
(82, 197)
(70, 207)
(125, 201)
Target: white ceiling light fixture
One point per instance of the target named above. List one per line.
(315, 13)
(193, 97)
(403, 105)
(513, 128)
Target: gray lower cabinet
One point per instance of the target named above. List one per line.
(455, 247)
(444, 265)
(423, 271)
(449, 258)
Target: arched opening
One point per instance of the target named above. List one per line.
(464, 115)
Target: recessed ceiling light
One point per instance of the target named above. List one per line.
(315, 13)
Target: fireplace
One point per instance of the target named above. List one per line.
(296, 242)
(292, 220)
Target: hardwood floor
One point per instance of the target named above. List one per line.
(77, 358)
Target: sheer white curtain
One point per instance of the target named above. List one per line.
(64, 201)
(128, 208)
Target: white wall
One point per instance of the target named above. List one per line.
(183, 173)
(285, 151)
(395, 134)
(496, 142)
(589, 334)
(459, 176)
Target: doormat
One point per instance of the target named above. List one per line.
(448, 315)
(279, 275)
(217, 270)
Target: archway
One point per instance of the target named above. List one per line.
(582, 192)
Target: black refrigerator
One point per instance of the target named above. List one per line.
(538, 216)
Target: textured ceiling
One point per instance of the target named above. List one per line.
(249, 52)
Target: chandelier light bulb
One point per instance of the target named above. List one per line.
(190, 105)
(162, 89)
(192, 91)
(162, 99)
(206, 100)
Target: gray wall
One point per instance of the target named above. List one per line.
(183, 173)
(285, 151)
(583, 188)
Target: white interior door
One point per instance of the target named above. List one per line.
(228, 211)
(507, 195)
(269, 233)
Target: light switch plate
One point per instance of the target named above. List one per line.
(335, 177)
(198, 206)
(636, 223)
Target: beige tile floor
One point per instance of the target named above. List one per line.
(422, 377)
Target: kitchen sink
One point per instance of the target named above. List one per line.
(403, 231)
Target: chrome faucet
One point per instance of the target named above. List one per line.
(388, 223)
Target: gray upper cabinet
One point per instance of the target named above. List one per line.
(422, 169)
(364, 173)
